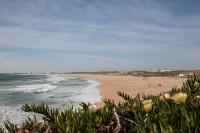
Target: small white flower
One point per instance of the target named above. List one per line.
(166, 96)
(197, 97)
(93, 107)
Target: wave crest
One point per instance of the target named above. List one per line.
(34, 88)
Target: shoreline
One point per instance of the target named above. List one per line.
(109, 85)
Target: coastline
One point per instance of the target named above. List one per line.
(109, 85)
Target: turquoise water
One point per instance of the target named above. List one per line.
(54, 90)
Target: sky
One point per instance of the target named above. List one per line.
(99, 35)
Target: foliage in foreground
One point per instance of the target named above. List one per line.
(175, 111)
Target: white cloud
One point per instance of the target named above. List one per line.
(141, 31)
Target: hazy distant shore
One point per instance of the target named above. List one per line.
(109, 85)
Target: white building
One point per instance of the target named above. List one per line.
(185, 75)
(165, 70)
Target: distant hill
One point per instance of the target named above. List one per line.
(142, 73)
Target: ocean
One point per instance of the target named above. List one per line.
(56, 90)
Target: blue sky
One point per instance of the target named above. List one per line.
(96, 35)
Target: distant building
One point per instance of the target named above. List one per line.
(165, 70)
(156, 70)
(185, 75)
(181, 75)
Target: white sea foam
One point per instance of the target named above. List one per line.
(62, 95)
(33, 88)
(15, 115)
(88, 94)
(57, 78)
(91, 92)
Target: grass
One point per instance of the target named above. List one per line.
(176, 111)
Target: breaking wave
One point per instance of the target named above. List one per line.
(34, 88)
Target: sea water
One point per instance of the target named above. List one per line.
(56, 90)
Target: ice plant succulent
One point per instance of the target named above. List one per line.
(180, 98)
(147, 104)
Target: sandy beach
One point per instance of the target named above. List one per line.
(109, 85)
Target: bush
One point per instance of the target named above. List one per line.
(176, 111)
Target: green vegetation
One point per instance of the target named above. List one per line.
(177, 111)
